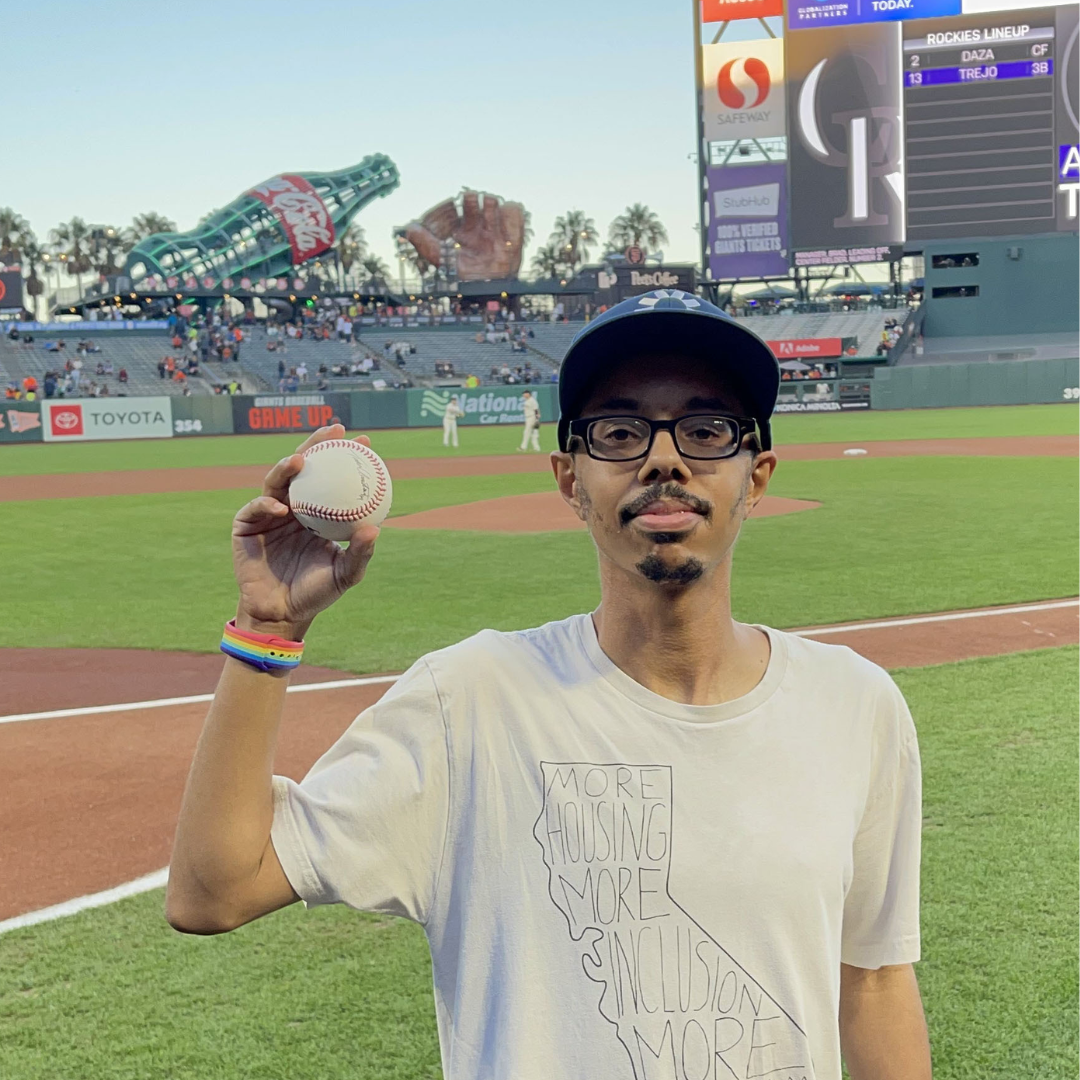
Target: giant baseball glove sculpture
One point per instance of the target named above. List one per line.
(488, 235)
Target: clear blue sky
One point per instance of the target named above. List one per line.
(120, 108)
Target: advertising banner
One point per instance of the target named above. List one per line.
(743, 92)
(300, 212)
(747, 221)
(20, 421)
(277, 413)
(806, 14)
(106, 418)
(1067, 116)
(483, 405)
(11, 290)
(727, 10)
(846, 144)
(793, 348)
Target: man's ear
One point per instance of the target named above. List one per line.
(761, 470)
(563, 466)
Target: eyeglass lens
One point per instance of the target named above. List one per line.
(625, 437)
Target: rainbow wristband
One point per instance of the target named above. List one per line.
(264, 652)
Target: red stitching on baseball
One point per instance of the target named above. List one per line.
(325, 512)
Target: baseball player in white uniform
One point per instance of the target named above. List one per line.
(531, 407)
(449, 422)
(644, 841)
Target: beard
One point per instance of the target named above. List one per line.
(654, 569)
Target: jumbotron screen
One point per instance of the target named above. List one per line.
(869, 130)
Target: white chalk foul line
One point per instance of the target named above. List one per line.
(83, 903)
(952, 616)
(190, 699)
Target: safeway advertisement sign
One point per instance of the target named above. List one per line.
(823, 347)
(743, 92)
(104, 418)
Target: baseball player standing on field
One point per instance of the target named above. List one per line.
(449, 422)
(531, 407)
(648, 841)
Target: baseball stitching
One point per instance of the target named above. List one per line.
(325, 512)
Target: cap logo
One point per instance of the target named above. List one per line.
(670, 297)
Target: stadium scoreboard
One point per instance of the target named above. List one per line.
(979, 126)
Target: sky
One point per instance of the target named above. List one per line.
(123, 108)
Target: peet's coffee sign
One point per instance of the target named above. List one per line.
(624, 281)
(275, 413)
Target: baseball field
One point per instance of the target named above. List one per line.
(947, 552)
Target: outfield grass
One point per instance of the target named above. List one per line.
(427, 442)
(894, 536)
(114, 994)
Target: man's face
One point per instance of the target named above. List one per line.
(665, 518)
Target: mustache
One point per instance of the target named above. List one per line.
(669, 490)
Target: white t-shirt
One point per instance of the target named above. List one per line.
(616, 886)
(531, 408)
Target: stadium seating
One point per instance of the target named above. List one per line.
(864, 325)
(137, 353)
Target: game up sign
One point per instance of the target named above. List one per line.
(277, 413)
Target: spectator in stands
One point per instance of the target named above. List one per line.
(104, 390)
(179, 377)
(29, 384)
(234, 387)
(50, 384)
(100, 369)
(123, 376)
(13, 393)
(170, 367)
(161, 368)
(301, 371)
(13, 334)
(322, 384)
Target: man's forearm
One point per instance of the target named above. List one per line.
(227, 811)
(882, 1027)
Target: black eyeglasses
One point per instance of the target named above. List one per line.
(700, 437)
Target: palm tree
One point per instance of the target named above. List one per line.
(375, 268)
(351, 248)
(550, 260)
(636, 226)
(71, 238)
(144, 225)
(31, 253)
(106, 243)
(12, 227)
(575, 234)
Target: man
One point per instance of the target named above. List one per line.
(646, 842)
(449, 422)
(531, 408)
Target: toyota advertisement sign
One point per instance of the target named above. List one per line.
(743, 92)
(104, 418)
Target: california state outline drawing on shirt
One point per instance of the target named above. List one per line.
(681, 1006)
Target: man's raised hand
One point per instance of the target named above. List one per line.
(286, 573)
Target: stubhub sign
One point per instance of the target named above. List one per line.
(83, 419)
(806, 14)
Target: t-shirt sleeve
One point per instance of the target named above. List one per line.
(366, 827)
(881, 909)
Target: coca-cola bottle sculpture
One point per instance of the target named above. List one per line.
(271, 228)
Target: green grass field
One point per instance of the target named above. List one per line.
(427, 442)
(114, 994)
(894, 536)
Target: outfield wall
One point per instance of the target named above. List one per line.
(1028, 382)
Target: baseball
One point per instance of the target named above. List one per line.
(342, 484)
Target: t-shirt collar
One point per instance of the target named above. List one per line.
(676, 710)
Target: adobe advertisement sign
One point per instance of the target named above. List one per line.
(806, 14)
(300, 212)
(276, 413)
(727, 10)
(846, 141)
(793, 348)
(743, 92)
(85, 419)
(747, 221)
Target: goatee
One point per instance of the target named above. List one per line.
(653, 568)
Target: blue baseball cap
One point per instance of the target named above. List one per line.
(679, 324)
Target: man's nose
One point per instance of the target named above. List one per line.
(663, 461)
